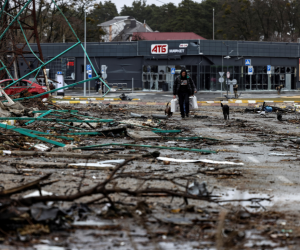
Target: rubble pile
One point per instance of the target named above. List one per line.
(135, 181)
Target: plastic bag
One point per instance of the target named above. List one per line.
(174, 105)
(193, 102)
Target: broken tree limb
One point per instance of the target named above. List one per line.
(74, 155)
(24, 187)
(64, 110)
(93, 190)
(150, 146)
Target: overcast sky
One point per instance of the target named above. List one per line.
(120, 3)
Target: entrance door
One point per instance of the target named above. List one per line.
(288, 78)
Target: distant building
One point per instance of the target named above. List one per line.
(147, 36)
(121, 28)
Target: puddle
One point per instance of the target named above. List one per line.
(254, 199)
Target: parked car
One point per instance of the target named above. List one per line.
(41, 81)
(32, 87)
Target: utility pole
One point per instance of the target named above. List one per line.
(213, 23)
(222, 76)
(226, 73)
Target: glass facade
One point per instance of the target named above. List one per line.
(260, 80)
(159, 77)
(64, 64)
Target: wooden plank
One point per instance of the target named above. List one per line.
(72, 155)
(141, 135)
(59, 165)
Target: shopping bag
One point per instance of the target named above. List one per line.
(174, 105)
(193, 102)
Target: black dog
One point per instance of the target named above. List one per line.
(225, 109)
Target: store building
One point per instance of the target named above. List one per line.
(151, 63)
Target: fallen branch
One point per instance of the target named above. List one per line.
(24, 187)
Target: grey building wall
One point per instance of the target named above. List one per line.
(125, 60)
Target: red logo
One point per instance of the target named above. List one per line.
(70, 64)
(159, 49)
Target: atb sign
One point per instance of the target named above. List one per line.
(250, 70)
(159, 49)
(269, 69)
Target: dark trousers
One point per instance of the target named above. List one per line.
(184, 100)
(97, 86)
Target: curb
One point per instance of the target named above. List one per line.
(93, 98)
(249, 103)
(88, 99)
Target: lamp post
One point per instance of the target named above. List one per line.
(227, 57)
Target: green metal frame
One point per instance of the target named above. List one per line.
(43, 64)
(40, 116)
(7, 71)
(3, 7)
(15, 18)
(47, 134)
(52, 119)
(23, 132)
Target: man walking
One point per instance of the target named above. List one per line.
(184, 87)
(235, 90)
(97, 85)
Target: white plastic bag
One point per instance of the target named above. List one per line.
(174, 105)
(193, 102)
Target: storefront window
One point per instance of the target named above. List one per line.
(70, 69)
(66, 65)
(160, 78)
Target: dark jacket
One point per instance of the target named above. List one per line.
(191, 85)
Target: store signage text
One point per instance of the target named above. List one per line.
(178, 51)
(183, 45)
(159, 49)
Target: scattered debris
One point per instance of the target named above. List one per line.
(199, 160)
(95, 170)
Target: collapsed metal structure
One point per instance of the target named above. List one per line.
(14, 47)
(21, 15)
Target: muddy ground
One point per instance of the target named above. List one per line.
(262, 211)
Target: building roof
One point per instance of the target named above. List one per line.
(150, 36)
(128, 31)
(115, 20)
